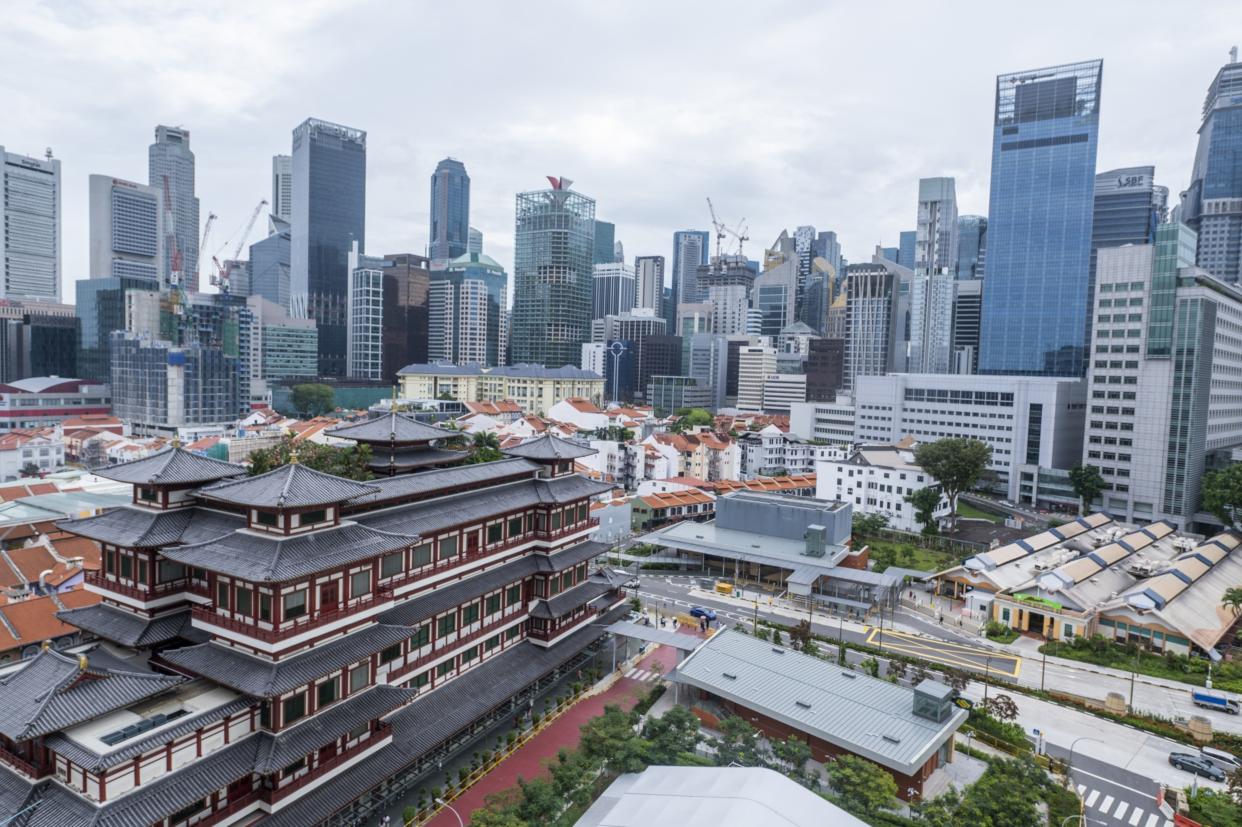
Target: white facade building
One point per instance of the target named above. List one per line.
(649, 282)
(831, 422)
(126, 229)
(876, 480)
(364, 343)
(781, 390)
(282, 186)
(771, 451)
(1030, 421)
(755, 364)
(30, 231)
(593, 354)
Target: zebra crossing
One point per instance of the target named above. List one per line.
(644, 675)
(1122, 812)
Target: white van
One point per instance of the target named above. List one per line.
(1228, 763)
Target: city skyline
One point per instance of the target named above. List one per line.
(691, 156)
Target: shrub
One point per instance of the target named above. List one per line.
(409, 814)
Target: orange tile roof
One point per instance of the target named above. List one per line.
(91, 421)
(693, 482)
(35, 619)
(31, 560)
(668, 499)
(582, 405)
(73, 547)
(789, 483)
(62, 572)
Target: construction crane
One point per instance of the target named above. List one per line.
(222, 278)
(202, 245)
(718, 225)
(170, 238)
(741, 235)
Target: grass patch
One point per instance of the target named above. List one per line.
(965, 509)
(885, 553)
(1104, 652)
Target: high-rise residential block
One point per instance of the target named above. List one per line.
(931, 289)
(467, 312)
(450, 211)
(407, 285)
(604, 250)
(972, 246)
(1036, 310)
(170, 171)
(649, 282)
(554, 241)
(871, 321)
(1164, 398)
(1212, 204)
(126, 230)
(282, 186)
(329, 214)
(364, 343)
(30, 230)
(612, 289)
(691, 249)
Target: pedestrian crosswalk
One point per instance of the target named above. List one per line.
(1122, 812)
(642, 674)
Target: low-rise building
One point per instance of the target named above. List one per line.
(533, 387)
(831, 422)
(50, 400)
(772, 451)
(794, 485)
(30, 453)
(652, 510)
(877, 479)
(781, 390)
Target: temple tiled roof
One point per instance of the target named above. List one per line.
(431, 483)
(569, 557)
(172, 466)
(267, 558)
(393, 427)
(446, 596)
(52, 691)
(567, 601)
(126, 628)
(264, 678)
(289, 486)
(549, 447)
(132, 527)
(278, 750)
(407, 458)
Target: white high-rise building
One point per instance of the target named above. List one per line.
(364, 345)
(282, 186)
(612, 289)
(931, 290)
(754, 365)
(126, 230)
(29, 227)
(649, 282)
(170, 171)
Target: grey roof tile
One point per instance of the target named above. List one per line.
(393, 427)
(126, 628)
(278, 750)
(172, 466)
(567, 558)
(549, 447)
(264, 678)
(407, 458)
(56, 806)
(133, 527)
(443, 597)
(445, 480)
(567, 601)
(289, 486)
(267, 558)
(52, 691)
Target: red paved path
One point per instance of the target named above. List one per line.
(529, 760)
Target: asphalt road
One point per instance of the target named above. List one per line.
(1111, 795)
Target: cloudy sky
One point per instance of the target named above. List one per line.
(785, 113)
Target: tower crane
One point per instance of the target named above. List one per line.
(202, 245)
(170, 238)
(741, 234)
(222, 277)
(718, 225)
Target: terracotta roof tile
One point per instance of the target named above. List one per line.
(31, 560)
(71, 547)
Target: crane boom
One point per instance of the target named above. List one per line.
(718, 225)
(202, 245)
(254, 216)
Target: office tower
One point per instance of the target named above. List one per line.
(364, 342)
(407, 282)
(126, 230)
(1036, 310)
(37, 343)
(967, 307)
(649, 282)
(690, 251)
(1163, 390)
(450, 211)
(282, 186)
(828, 247)
(612, 289)
(1127, 208)
(905, 248)
(727, 285)
(972, 246)
(658, 355)
(775, 293)
(29, 226)
(329, 214)
(593, 356)
(893, 254)
(101, 309)
(755, 364)
(804, 244)
(1212, 204)
(288, 347)
(269, 263)
(467, 312)
(936, 239)
(604, 249)
(170, 171)
(618, 252)
(931, 289)
(474, 243)
(871, 322)
(705, 358)
(554, 240)
(825, 369)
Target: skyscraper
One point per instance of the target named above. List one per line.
(474, 244)
(364, 341)
(467, 312)
(972, 246)
(905, 248)
(690, 250)
(126, 230)
(1212, 204)
(29, 226)
(605, 250)
(554, 240)
(612, 289)
(407, 279)
(170, 164)
(450, 211)
(967, 303)
(269, 263)
(1127, 208)
(282, 186)
(649, 282)
(870, 320)
(329, 213)
(931, 290)
(1036, 309)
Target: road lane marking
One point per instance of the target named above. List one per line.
(1120, 812)
(1082, 788)
(1091, 798)
(1112, 783)
(1106, 803)
(1136, 815)
(1151, 821)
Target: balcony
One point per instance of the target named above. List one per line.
(549, 634)
(18, 763)
(565, 532)
(414, 666)
(382, 731)
(207, 617)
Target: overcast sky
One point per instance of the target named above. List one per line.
(785, 113)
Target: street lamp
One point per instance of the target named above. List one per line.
(449, 807)
(1069, 762)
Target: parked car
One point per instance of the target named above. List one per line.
(700, 612)
(1192, 763)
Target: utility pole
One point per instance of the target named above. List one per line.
(1043, 665)
(1133, 672)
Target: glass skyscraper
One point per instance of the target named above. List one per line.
(554, 241)
(329, 213)
(1036, 309)
(1212, 204)
(972, 246)
(450, 210)
(691, 250)
(605, 250)
(1128, 207)
(170, 158)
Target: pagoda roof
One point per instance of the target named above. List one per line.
(52, 691)
(567, 601)
(267, 558)
(133, 527)
(429, 483)
(263, 678)
(441, 598)
(407, 458)
(549, 447)
(172, 466)
(127, 628)
(277, 751)
(289, 486)
(394, 428)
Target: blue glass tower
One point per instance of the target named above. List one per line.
(450, 210)
(972, 248)
(905, 248)
(691, 249)
(1036, 309)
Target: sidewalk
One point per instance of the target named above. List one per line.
(530, 759)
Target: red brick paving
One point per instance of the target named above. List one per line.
(529, 760)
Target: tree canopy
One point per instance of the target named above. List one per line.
(956, 463)
(350, 462)
(861, 786)
(312, 399)
(1087, 484)
(689, 418)
(1222, 493)
(868, 525)
(484, 446)
(925, 501)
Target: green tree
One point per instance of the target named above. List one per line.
(1007, 795)
(940, 811)
(1222, 493)
(672, 735)
(610, 739)
(925, 501)
(1087, 484)
(484, 447)
(1232, 600)
(738, 743)
(690, 418)
(350, 462)
(868, 525)
(29, 470)
(312, 399)
(1001, 707)
(573, 774)
(540, 803)
(860, 786)
(955, 463)
(792, 754)
(497, 817)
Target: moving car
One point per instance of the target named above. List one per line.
(1224, 760)
(1196, 765)
(699, 611)
(1209, 700)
